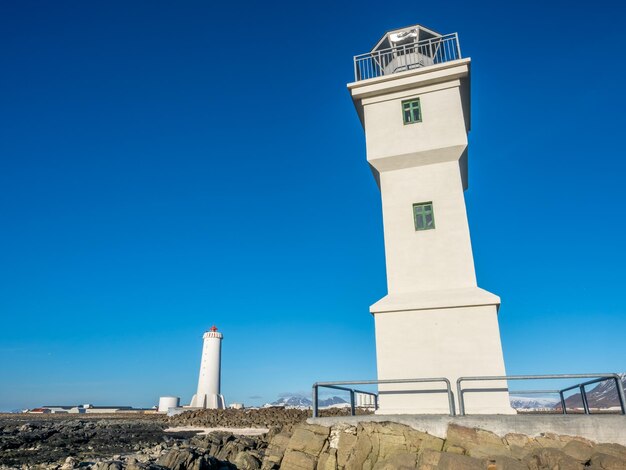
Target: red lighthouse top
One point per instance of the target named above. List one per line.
(213, 328)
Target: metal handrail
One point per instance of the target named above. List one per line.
(408, 56)
(338, 386)
(597, 378)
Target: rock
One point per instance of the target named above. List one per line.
(502, 462)
(276, 450)
(296, 460)
(476, 442)
(113, 465)
(454, 449)
(382, 442)
(187, 459)
(401, 460)
(428, 459)
(600, 461)
(309, 439)
(327, 460)
(581, 451)
(345, 446)
(520, 445)
(460, 462)
(615, 450)
(547, 458)
(305, 446)
(515, 439)
(246, 461)
(555, 441)
(69, 463)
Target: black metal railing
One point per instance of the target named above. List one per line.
(597, 378)
(338, 386)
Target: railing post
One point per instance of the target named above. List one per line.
(583, 395)
(458, 45)
(563, 403)
(352, 410)
(460, 397)
(375, 402)
(620, 394)
(315, 392)
(450, 398)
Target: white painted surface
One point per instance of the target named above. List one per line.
(208, 394)
(435, 321)
(165, 403)
(448, 342)
(427, 260)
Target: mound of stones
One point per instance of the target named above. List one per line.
(251, 418)
(247, 418)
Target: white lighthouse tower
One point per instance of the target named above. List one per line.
(208, 394)
(412, 94)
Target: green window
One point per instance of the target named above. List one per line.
(411, 111)
(424, 216)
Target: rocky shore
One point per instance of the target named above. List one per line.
(141, 443)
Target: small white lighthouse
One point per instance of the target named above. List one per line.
(208, 394)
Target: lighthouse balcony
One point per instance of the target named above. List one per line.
(406, 56)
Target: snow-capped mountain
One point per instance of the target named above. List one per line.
(532, 403)
(294, 400)
(332, 401)
(299, 401)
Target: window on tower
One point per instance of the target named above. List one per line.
(411, 111)
(424, 216)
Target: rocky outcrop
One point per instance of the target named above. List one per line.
(382, 446)
(36, 441)
(301, 446)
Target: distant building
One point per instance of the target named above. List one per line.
(87, 408)
(38, 411)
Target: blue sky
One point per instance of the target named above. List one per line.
(166, 166)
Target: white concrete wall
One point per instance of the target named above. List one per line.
(441, 136)
(435, 321)
(448, 342)
(428, 259)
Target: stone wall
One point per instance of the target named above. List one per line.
(387, 445)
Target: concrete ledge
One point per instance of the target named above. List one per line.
(598, 428)
(429, 300)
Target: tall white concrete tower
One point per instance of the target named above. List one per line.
(412, 94)
(208, 394)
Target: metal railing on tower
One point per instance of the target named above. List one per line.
(407, 57)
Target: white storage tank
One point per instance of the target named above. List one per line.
(165, 403)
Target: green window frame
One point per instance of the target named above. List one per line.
(424, 216)
(411, 111)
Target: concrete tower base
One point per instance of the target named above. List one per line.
(446, 334)
(212, 401)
